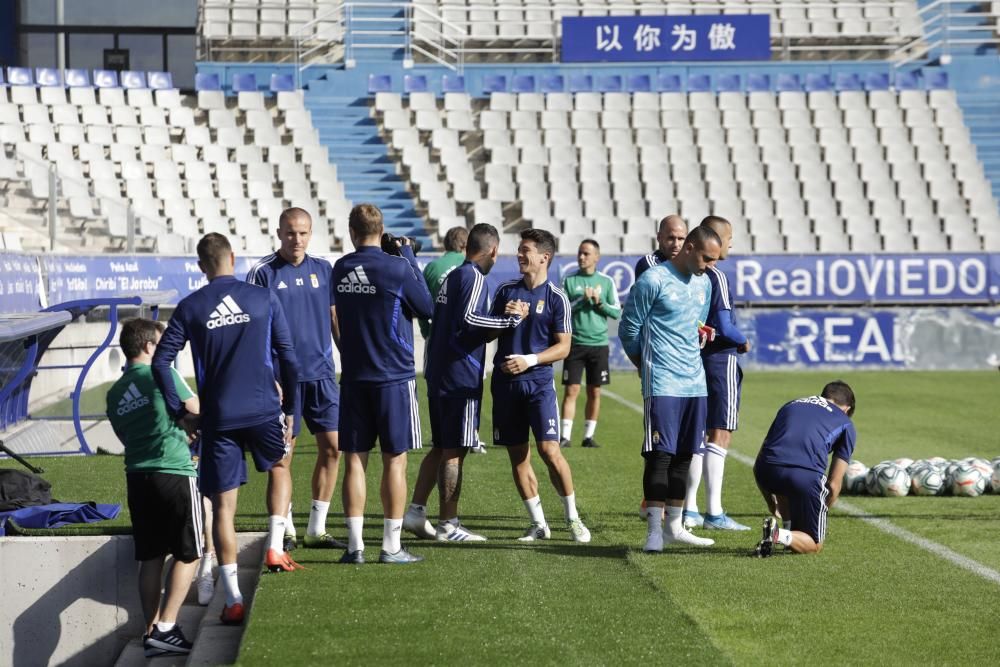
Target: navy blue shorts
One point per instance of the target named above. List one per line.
(222, 466)
(725, 383)
(674, 424)
(805, 491)
(520, 406)
(454, 421)
(387, 413)
(318, 406)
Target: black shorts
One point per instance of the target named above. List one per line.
(166, 515)
(592, 357)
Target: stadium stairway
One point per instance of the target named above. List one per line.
(362, 158)
(378, 32)
(214, 643)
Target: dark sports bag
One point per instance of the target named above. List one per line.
(20, 489)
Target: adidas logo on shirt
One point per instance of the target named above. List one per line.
(132, 400)
(226, 313)
(356, 282)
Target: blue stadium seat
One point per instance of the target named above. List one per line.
(452, 83)
(848, 81)
(48, 76)
(494, 83)
(877, 81)
(77, 78)
(105, 78)
(553, 83)
(415, 83)
(699, 83)
(379, 83)
(163, 80)
(936, 79)
(581, 83)
(19, 76)
(523, 83)
(133, 79)
(758, 83)
(908, 81)
(282, 83)
(818, 82)
(638, 83)
(669, 83)
(203, 81)
(788, 83)
(245, 83)
(728, 83)
(611, 83)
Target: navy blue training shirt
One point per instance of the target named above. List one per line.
(306, 293)
(234, 329)
(456, 350)
(721, 316)
(805, 432)
(646, 261)
(377, 296)
(549, 313)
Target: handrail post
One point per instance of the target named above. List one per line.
(53, 185)
(129, 229)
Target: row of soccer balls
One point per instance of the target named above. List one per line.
(927, 477)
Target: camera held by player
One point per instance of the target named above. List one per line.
(391, 243)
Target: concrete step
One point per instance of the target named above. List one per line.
(133, 655)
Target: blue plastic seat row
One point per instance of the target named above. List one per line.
(243, 83)
(635, 83)
(77, 78)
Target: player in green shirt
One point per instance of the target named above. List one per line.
(163, 498)
(593, 297)
(436, 271)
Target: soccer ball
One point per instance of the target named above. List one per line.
(888, 479)
(938, 461)
(926, 480)
(917, 465)
(995, 477)
(854, 478)
(984, 467)
(967, 480)
(903, 462)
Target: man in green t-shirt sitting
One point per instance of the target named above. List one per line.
(593, 297)
(163, 497)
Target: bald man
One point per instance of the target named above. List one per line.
(670, 238)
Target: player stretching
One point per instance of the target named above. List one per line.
(377, 296)
(456, 353)
(659, 332)
(725, 381)
(594, 299)
(234, 330)
(303, 286)
(791, 468)
(524, 394)
(669, 240)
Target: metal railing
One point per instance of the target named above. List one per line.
(949, 24)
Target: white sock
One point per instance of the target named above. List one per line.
(589, 428)
(715, 465)
(569, 505)
(230, 584)
(391, 528)
(654, 518)
(694, 480)
(317, 518)
(785, 537)
(419, 509)
(675, 521)
(534, 507)
(567, 429)
(674, 531)
(355, 524)
(289, 524)
(205, 566)
(276, 532)
(164, 627)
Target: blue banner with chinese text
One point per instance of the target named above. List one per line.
(665, 38)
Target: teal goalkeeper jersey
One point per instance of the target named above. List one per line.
(660, 324)
(590, 322)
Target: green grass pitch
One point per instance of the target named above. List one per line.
(869, 598)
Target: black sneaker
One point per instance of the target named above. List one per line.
(590, 443)
(564, 443)
(289, 543)
(353, 558)
(172, 641)
(770, 534)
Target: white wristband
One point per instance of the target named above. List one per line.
(531, 360)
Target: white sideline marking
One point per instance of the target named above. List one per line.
(885, 526)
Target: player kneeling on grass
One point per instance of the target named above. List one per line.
(791, 468)
(163, 497)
